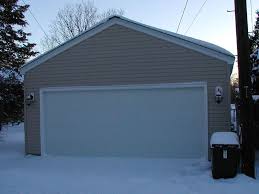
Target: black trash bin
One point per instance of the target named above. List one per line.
(225, 153)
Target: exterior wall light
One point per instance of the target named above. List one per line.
(29, 99)
(218, 94)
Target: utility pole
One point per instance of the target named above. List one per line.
(244, 69)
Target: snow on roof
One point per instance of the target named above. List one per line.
(224, 138)
(201, 43)
(192, 43)
(186, 38)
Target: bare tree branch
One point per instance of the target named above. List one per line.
(72, 20)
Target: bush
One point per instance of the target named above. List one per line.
(11, 100)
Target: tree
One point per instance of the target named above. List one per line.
(72, 20)
(14, 46)
(254, 57)
(12, 99)
(254, 38)
(15, 49)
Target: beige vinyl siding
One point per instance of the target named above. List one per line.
(119, 55)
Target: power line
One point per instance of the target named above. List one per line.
(197, 14)
(182, 15)
(42, 29)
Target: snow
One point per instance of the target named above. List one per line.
(21, 174)
(225, 138)
(255, 54)
(255, 97)
(201, 43)
(183, 37)
(255, 68)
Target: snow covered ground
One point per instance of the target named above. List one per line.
(21, 174)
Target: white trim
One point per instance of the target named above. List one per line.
(194, 44)
(125, 87)
(64, 46)
(177, 40)
(42, 133)
(206, 121)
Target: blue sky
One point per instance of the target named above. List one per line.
(214, 24)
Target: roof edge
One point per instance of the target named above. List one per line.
(40, 59)
(228, 57)
(181, 40)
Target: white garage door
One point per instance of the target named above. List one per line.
(167, 120)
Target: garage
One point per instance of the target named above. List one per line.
(126, 89)
(127, 121)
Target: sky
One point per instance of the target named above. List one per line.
(214, 24)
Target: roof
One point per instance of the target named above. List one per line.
(185, 41)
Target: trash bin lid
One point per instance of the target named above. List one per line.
(224, 138)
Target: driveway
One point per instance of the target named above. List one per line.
(40, 175)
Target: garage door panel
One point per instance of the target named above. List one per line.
(158, 122)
